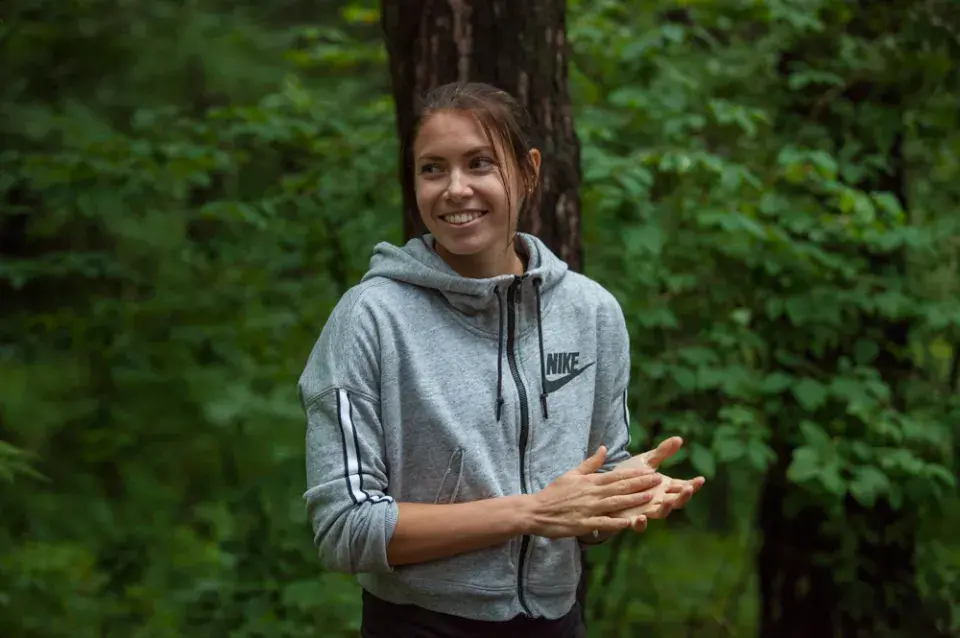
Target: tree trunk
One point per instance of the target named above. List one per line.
(798, 595)
(519, 47)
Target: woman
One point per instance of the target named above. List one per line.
(466, 402)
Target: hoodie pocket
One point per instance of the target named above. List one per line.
(450, 484)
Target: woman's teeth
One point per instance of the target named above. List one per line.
(462, 218)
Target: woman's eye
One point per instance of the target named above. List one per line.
(429, 168)
(483, 162)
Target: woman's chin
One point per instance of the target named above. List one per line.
(466, 244)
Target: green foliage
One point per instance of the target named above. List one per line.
(169, 259)
(189, 187)
(737, 205)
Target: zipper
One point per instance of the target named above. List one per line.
(513, 300)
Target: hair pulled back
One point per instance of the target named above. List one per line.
(502, 119)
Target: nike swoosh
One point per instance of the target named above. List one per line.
(556, 384)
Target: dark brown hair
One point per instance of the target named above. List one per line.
(503, 120)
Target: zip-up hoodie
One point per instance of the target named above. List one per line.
(430, 387)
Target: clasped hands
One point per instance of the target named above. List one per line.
(582, 501)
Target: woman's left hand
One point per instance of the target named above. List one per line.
(672, 494)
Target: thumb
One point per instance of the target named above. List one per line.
(664, 451)
(593, 463)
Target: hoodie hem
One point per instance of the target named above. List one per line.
(468, 600)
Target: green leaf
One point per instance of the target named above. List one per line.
(636, 181)
(802, 79)
(775, 383)
(868, 483)
(889, 203)
(852, 390)
(684, 377)
(941, 474)
(741, 316)
(711, 377)
(760, 455)
(804, 465)
(698, 355)
(798, 309)
(14, 461)
(865, 351)
(848, 201)
(702, 460)
(832, 481)
(646, 241)
(729, 449)
(815, 437)
(810, 394)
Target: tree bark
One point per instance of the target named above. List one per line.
(798, 593)
(519, 47)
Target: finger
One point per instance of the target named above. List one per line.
(605, 524)
(605, 478)
(639, 524)
(620, 503)
(593, 463)
(631, 485)
(680, 501)
(677, 486)
(664, 451)
(666, 509)
(660, 512)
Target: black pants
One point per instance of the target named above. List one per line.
(382, 619)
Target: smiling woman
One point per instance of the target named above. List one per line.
(466, 404)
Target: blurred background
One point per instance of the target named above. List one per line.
(770, 187)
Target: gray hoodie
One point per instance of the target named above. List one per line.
(430, 387)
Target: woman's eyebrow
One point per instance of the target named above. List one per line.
(473, 151)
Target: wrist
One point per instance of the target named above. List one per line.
(524, 514)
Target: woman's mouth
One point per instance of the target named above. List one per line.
(463, 217)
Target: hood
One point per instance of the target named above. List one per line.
(419, 264)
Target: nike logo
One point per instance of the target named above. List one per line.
(552, 385)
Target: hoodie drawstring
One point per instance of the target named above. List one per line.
(500, 358)
(543, 366)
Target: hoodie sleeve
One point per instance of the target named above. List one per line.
(350, 511)
(611, 419)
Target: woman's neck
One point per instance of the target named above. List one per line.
(492, 263)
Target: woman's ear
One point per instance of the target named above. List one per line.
(535, 160)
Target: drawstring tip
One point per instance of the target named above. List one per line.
(543, 404)
(499, 408)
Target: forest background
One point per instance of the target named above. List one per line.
(771, 188)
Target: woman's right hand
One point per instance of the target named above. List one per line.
(581, 500)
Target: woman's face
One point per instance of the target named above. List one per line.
(460, 188)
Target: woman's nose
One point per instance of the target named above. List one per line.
(457, 187)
